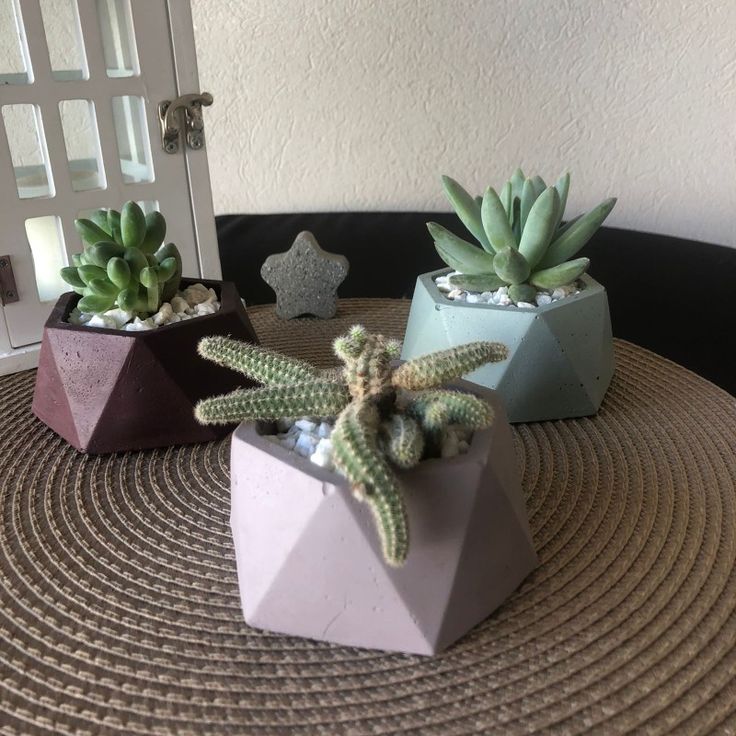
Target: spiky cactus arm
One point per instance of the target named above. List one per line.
(356, 452)
(316, 398)
(263, 365)
(435, 410)
(367, 361)
(402, 441)
(429, 371)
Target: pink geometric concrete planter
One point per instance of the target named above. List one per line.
(309, 559)
(106, 390)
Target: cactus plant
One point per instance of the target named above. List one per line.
(124, 262)
(386, 415)
(523, 244)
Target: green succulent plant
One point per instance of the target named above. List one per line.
(523, 243)
(124, 262)
(387, 416)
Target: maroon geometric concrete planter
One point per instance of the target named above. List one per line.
(308, 556)
(110, 391)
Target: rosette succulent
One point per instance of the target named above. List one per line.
(124, 262)
(387, 416)
(523, 243)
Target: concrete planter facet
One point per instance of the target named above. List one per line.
(309, 560)
(110, 391)
(561, 355)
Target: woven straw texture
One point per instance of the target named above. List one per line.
(120, 610)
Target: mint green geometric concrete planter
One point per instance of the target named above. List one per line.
(561, 354)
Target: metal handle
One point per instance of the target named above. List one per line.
(170, 116)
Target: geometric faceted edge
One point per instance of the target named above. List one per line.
(560, 355)
(309, 560)
(106, 390)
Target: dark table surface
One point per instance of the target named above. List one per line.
(667, 294)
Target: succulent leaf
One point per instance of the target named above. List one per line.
(459, 254)
(136, 262)
(505, 195)
(563, 188)
(528, 198)
(118, 271)
(100, 253)
(132, 225)
(95, 303)
(511, 266)
(103, 287)
(99, 217)
(560, 275)
(566, 245)
(538, 184)
(155, 232)
(169, 250)
(539, 227)
(467, 210)
(89, 272)
(72, 277)
(89, 232)
(477, 282)
(517, 183)
(496, 222)
(113, 225)
(522, 293)
(128, 299)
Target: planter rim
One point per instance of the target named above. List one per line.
(69, 299)
(249, 432)
(591, 287)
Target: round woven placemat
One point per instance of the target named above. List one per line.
(120, 610)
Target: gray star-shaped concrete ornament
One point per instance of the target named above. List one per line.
(305, 278)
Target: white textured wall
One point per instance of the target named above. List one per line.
(361, 104)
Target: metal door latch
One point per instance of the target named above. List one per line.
(8, 291)
(186, 109)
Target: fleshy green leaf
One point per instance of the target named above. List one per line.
(458, 253)
(132, 225)
(563, 187)
(496, 222)
(511, 266)
(577, 235)
(564, 273)
(477, 282)
(540, 226)
(467, 209)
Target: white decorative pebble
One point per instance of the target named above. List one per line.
(163, 315)
(525, 305)
(207, 307)
(543, 299)
(472, 299)
(139, 325)
(324, 431)
(100, 320)
(455, 294)
(305, 445)
(305, 425)
(196, 294)
(179, 305)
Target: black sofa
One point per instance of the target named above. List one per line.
(667, 294)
